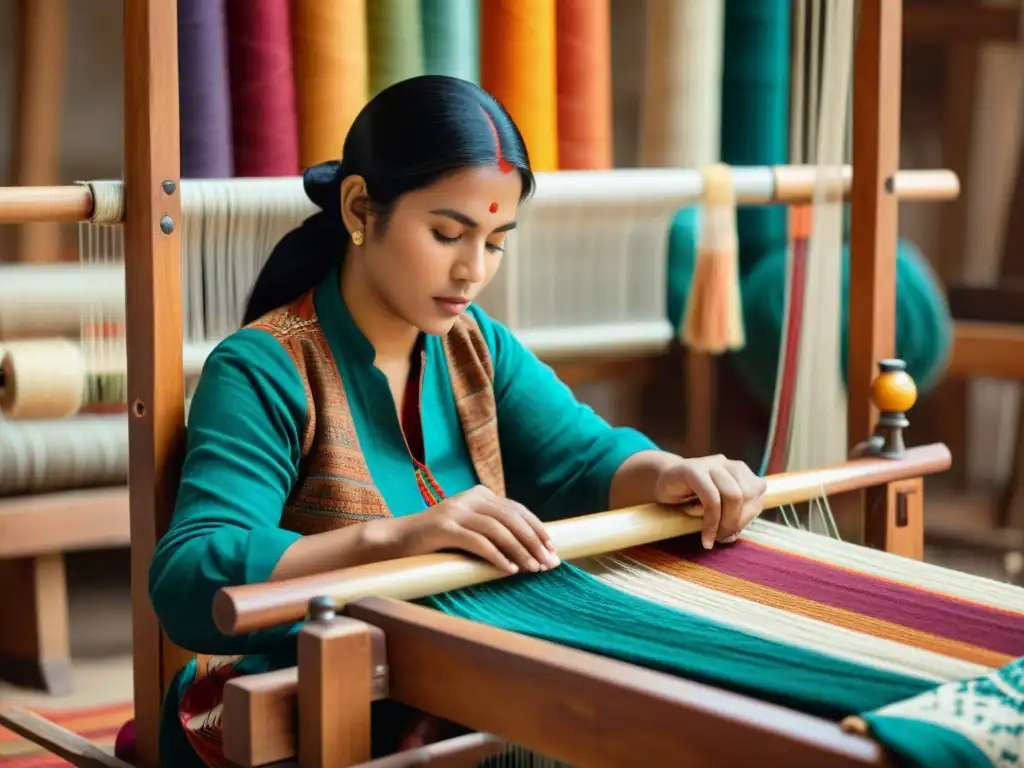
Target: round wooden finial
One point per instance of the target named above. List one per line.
(893, 390)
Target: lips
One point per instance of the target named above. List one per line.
(452, 304)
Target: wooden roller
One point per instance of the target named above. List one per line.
(242, 609)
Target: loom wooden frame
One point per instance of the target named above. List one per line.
(335, 655)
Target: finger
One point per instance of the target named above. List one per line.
(732, 501)
(711, 500)
(501, 537)
(753, 486)
(528, 529)
(674, 486)
(484, 548)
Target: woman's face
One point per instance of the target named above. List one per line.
(442, 245)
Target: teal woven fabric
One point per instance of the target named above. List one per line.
(614, 623)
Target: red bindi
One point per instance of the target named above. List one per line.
(494, 208)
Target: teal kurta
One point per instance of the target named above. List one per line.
(244, 453)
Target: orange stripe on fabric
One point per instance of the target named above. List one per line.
(730, 585)
(884, 579)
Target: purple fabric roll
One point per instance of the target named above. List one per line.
(203, 89)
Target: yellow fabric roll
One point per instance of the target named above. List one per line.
(518, 66)
(331, 74)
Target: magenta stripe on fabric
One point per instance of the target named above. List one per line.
(869, 596)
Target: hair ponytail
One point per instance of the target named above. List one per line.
(304, 256)
(407, 137)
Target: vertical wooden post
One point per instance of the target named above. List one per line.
(891, 514)
(876, 133)
(153, 292)
(335, 682)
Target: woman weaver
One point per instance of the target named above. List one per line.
(368, 410)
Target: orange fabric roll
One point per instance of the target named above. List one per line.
(584, 85)
(331, 74)
(517, 65)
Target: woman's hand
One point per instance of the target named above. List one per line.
(501, 531)
(731, 493)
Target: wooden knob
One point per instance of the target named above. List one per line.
(893, 390)
(321, 608)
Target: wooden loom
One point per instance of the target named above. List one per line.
(100, 518)
(333, 651)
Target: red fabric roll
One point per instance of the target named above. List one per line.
(263, 108)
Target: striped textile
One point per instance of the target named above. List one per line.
(964, 632)
(97, 724)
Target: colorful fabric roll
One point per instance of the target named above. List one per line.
(396, 42)
(265, 126)
(517, 65)
(203, 90)
(584, 85)
(331, 74)
(451, 38)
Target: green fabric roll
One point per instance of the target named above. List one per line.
(924, 326)
(451, 38)
(755, 109)
(395, 42)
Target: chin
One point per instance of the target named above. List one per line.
(437, 327)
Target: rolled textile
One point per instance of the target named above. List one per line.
(61, 454)
(331, 73)
(451, 38)
(203, 90)
(755, 109)
(265, 129)
(395, 42)
(681, 115)
(584, 65)
(517, 65)
(50, 299)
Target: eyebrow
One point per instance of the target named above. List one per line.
(468, 222)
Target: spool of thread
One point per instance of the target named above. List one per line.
(41, 301)
(43, 379)
(49, 455)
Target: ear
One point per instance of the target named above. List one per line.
(354, 208)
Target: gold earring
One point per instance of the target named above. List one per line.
(357, 238)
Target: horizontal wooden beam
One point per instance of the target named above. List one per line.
(63, 522)
(987, 350)
(935, 22)
(248, 607)
(583, 709)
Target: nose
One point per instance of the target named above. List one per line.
(471, 266)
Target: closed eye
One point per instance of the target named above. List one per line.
(446, 240)
(441, 238)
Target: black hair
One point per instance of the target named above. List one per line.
(406, 138)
